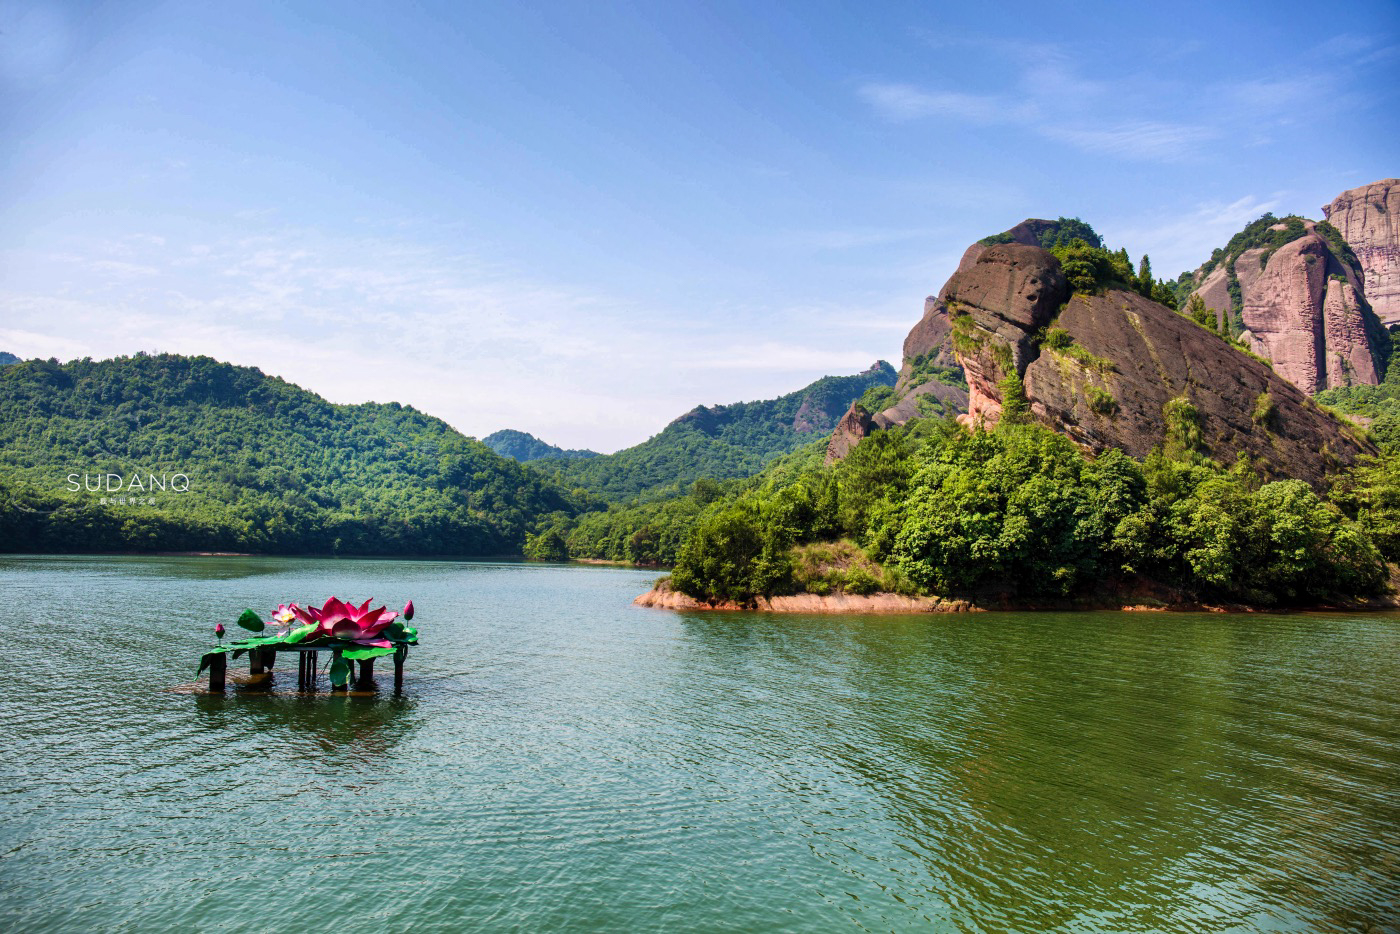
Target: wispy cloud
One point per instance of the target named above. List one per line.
(1045, 91)
(1140, 140)
(1180, 241)
(454, 334)
(906, 102)
(1145, 140)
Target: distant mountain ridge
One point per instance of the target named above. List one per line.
(723, 441)
(7, 357)
(525, 447)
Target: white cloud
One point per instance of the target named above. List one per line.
(906, 102)
(1178, 242)
(1054, 94)
(360, 319)
(1141, 140)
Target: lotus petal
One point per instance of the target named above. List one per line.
(346, 629)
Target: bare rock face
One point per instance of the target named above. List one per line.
(1126, 359)
(1304, 313)
(1369, 218)
(949, 399)
(929, 337)
(1027, 232)
(854, 426)
(1303, 309)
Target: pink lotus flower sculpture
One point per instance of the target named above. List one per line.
(284, 617)
(358, 624)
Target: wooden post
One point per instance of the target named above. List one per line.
(255, 661)
(311, 671)
(366, 682)
(269, 658)
(218, 672)
(400, 654)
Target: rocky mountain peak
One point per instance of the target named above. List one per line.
(1369, 219)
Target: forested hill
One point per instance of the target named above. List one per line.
(523, 446)
(269, 467)
(723, 441)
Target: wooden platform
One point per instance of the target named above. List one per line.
(262, 660)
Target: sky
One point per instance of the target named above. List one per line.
(584, 219)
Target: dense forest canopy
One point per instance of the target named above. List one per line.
(270, 467)
(1021, 513)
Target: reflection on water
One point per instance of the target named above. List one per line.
(359, 725)
(563, 760)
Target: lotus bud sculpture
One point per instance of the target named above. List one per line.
(408, 610)
(219, 630)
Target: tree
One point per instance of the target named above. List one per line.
(1144, 277)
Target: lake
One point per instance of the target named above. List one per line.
(563, 761)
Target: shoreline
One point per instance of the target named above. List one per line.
(663, 598)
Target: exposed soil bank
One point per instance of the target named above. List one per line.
(666, 599)
(663, 597)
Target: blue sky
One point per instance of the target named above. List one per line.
(581, 220)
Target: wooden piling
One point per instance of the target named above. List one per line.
(400, 654)
(366, 682)
(255, 661)
(218, 672)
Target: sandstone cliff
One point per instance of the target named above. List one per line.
(1369, 218)
(1116, 370)
(1302, 306)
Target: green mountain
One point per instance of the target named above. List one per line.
(523, 446)
(173, 453)
(7, 357)
(724, 441)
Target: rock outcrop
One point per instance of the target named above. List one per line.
(1369, 219)
(854, 425)
(1119, 370)
(1303, 307)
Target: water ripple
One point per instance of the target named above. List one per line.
(564, 761)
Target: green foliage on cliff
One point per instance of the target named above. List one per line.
(1340, 248)
(525, 447)
(1257, 233)
(1021, 513)
(1092, 269)
(924, 369)
(271, 467)
(722, 442)
(1066, 230)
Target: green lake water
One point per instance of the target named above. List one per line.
(561, 760)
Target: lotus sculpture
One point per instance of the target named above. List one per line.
(340, 620)
(353, 632)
